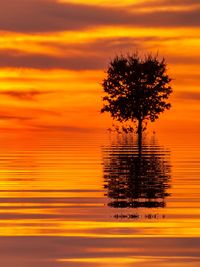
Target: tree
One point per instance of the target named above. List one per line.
(136, 89)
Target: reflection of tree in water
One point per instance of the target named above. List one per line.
(135, 178)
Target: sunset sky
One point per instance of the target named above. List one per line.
(54, 54)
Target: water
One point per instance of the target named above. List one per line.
(86, 199)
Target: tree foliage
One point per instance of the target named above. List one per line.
(136, 89)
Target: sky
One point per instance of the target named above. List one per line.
(54, 54)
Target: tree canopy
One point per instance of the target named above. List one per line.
(136, 89)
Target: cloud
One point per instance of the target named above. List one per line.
(48, 16)
(23, 95)
(13, 117)
(26, 115)
(164, 3)
(93, 55)
(184, 59)
(102, 45)
(38, 61)
(54, 127)
(188, 95)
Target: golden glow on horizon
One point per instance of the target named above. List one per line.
(103, 2)
(140, 4)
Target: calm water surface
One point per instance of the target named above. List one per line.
(98, 200)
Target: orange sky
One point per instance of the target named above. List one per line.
(54, 54)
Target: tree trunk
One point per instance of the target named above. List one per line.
(139, 132)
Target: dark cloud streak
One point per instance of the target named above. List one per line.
(12, 117)
(93, 55)
(189, 95)
(38, 61)
(23, 95)
(49, 16)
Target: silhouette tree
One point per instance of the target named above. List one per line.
(136, 89)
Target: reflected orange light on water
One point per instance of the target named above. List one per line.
(54, 187)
